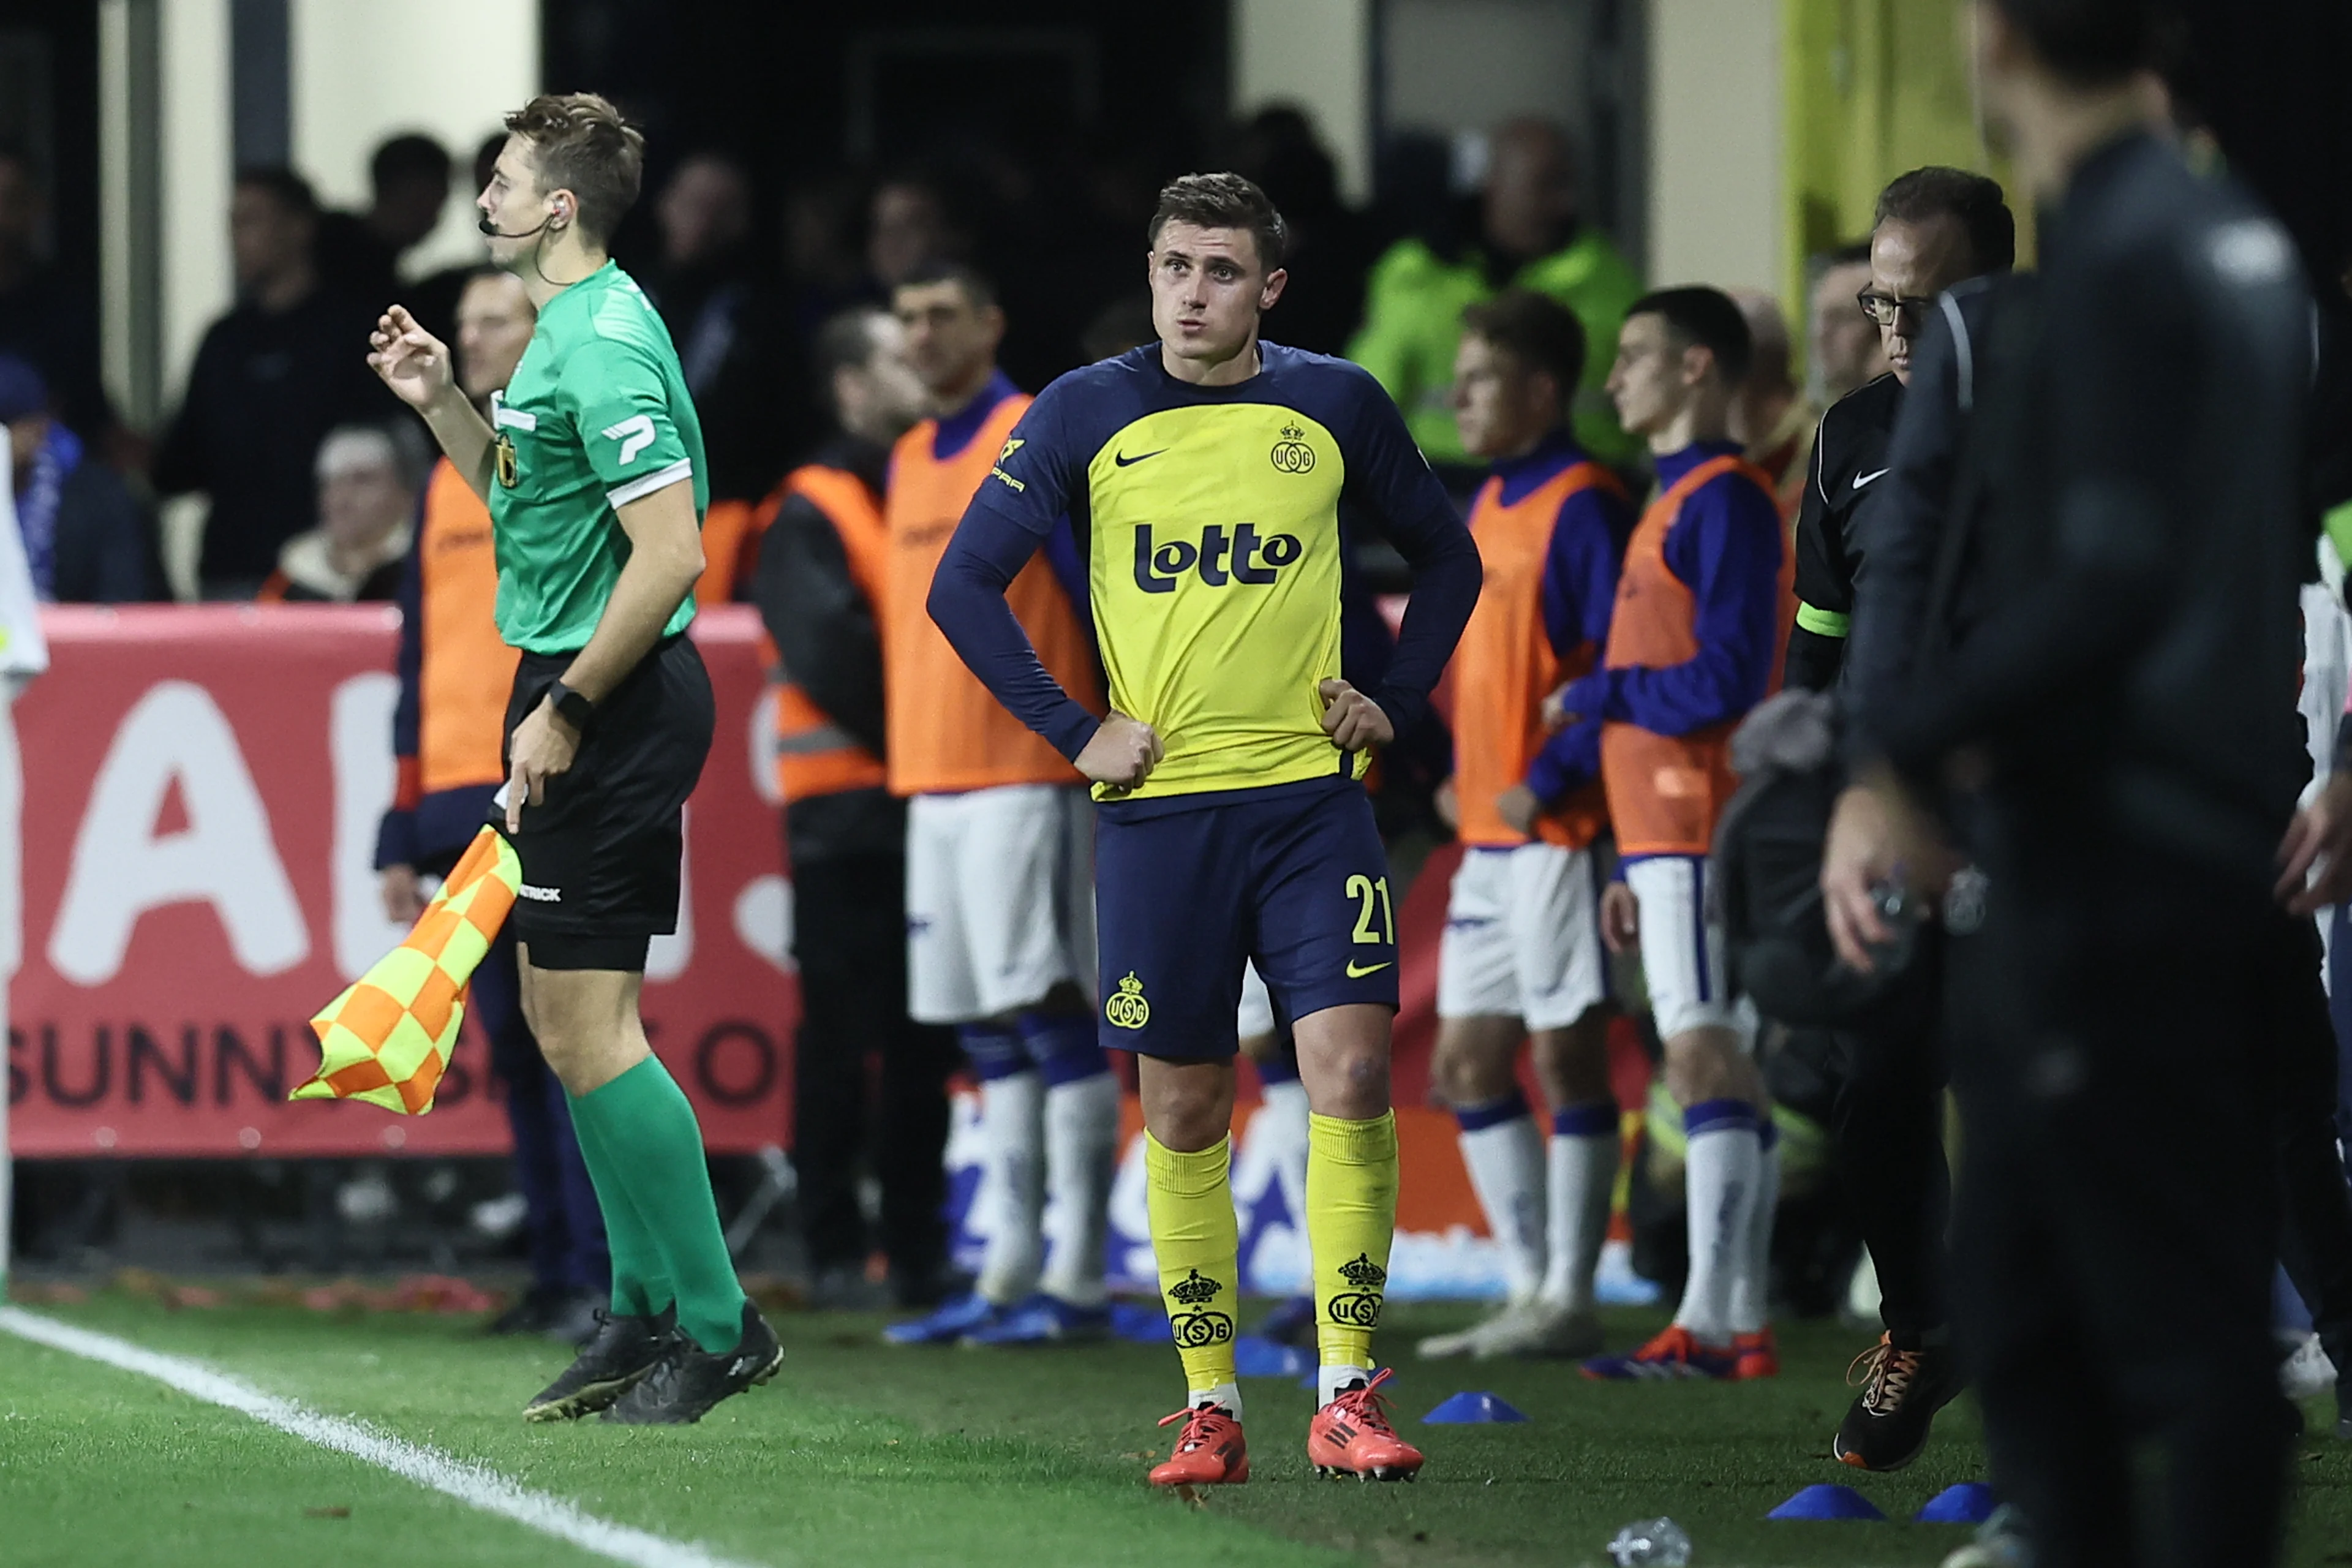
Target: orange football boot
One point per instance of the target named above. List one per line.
(1210, 1450)
(1758, 1353)
(1352, 1437)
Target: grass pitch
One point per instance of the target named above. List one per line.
(859, 1454)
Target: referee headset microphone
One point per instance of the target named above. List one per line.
(557, 219)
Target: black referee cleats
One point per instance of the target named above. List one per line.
(1902, 1389)
(616, 1357)
(689, 1379)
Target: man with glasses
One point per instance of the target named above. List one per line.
(1936, 227)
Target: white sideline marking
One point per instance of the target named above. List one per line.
(472, 1484)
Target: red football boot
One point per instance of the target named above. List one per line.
(1352, 1437)
(1210, 1450)
(1758, 1353)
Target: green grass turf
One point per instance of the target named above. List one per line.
(861, 1455)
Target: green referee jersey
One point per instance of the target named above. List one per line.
(596, 415)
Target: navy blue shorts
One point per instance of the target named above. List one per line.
(1293, 877)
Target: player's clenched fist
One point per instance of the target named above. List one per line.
(1122, 754)
(1352, 720)
(409, 360)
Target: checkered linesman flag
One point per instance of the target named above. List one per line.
(387, 1038)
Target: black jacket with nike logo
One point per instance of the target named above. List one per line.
(1849, 460)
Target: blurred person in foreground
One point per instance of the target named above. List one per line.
(591, 463)
(2109, 714)
(408, 184)
(1231, 822)
(1770, 415)
(369, 479)
(1522, 958)
(1000, 835)
(822, 571)
(270, 379)
(1845, 347)
(1693, 644)
(1531, 236)
(446, 735)
(1937, 228)
(86, 539)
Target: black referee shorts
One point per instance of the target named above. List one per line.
(601, 853)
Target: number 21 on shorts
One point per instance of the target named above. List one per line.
(1366, 892)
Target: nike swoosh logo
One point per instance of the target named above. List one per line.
(1122, 459)
(1356, 972)
(1862, 479)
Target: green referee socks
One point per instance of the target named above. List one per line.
(648, 1144)
(641, 1285)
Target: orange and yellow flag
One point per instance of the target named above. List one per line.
(387, 1038)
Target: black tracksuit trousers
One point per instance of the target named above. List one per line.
(2116, 1227)
(1887, 1128)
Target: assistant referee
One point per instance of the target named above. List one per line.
(591, 463)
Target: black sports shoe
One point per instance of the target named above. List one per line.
(1901, 1391)
(689, 1380)
(620, 1352)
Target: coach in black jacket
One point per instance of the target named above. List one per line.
(2115, 712)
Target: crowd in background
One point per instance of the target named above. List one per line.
(278, 384)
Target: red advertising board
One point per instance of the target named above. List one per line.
(202, 790)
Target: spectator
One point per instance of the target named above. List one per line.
(433, 300)
(358, 253)
(1530, 237)
(1769, 416)
(1846, 351)
(1329, 249)
(87, 540)
(908, 225)
(369, 476)
(285, 365)
(719, 319)
(45, 319)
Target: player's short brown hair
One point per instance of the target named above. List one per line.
(580, 143)
(1536, 330)
(1224, 201)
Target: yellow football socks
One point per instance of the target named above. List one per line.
(1198, 1244)
(1351, 1194)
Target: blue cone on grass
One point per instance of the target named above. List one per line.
(1970, 1502)
(1826, 1502)
(1468, 1407)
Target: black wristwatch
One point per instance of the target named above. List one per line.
(576, 710)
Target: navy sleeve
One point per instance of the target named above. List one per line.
(1389, 477)
(1726, 547)
(1579, 581)
(1016, 511)
(1568, 760)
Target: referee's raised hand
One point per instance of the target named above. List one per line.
(1122, 752)
(411, 360)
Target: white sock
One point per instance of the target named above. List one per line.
(1284, 1119)
(1331, 1381)
(1720, 1175)
(1504, 1155)
(1751, 1291)
(1582, 1157)
(1081, 1158)
(1227, 1396)
(1011, 1124)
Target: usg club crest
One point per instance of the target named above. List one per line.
(1125, 1008)
(1292, 455)
(1361, 1306)
(1198, 1327)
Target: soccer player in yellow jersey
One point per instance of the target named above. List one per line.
(1204, 475)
